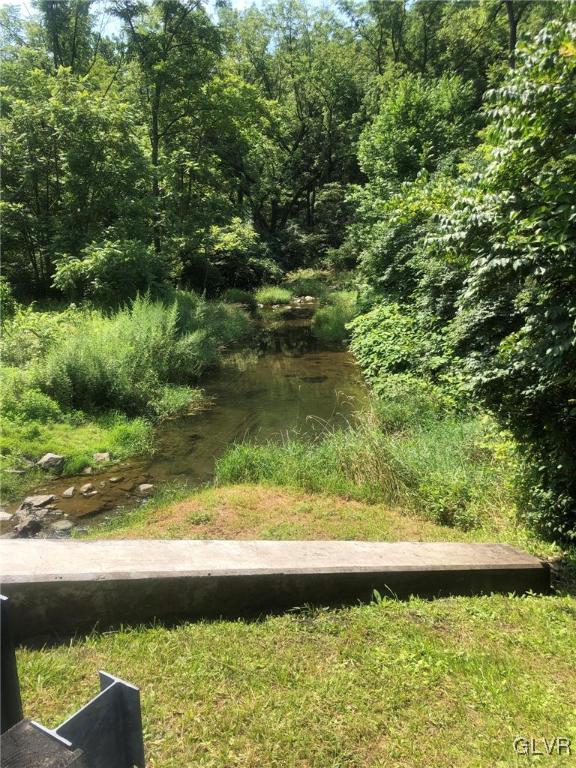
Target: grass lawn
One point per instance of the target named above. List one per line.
(416, 684)
(408, 684)
(251, 511)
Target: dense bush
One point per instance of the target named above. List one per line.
(388, 340)
(7, 300)
(113, 271)
(124, 360)
(239, 296)
(419, 122)
(239, 256)
(517, 226)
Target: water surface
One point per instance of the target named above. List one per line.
(288, 382)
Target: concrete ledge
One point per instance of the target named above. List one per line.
(62, 587)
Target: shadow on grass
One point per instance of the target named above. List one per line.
(563, 573)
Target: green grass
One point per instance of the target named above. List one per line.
(273, 294)
(250, 511)
(307, 282)
(90, 360)
(456, 470)
(65, 371)
(239, 296)
(397, 684)
(77, 440)
(329, 323)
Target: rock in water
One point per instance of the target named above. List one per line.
(116, 479)
(36, 502)
(28, 526)
(101, 457)
(62, 526)
(145, 489)
(5, 516)
(88, 489)
(50, 461)
(69, 492)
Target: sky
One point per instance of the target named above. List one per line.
(27, 9)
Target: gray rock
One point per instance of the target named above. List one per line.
(101, 457)
(116, 479)
(69, 492)
(309, 298)
(50, 461)
(88, 489)
(87, 471)
(5, 516)
(145, 489)
(36, 502)
(62, 526)
(27, 526)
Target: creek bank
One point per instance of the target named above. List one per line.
(289, 381)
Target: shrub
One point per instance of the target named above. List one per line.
(112, 271)
(306, 282)
(516, 225)
(175, 399)
(405, 401)
(239, 256)
(125, 360)
(7, 300)
(27, 336)
(388, 340)
(273, 294)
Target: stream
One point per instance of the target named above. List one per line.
(287, 381)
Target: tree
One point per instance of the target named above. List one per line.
(517, 227)
(419, 122)
(175, 46)
(73, 168)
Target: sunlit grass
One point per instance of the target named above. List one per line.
(406, 685)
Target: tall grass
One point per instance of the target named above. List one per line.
(273, 294)
(329, 322)
(126, 360)
(449, 470)
(71, 379)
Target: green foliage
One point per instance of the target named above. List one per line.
(273, 294)
(518, 308)
(175, 399)
(419, 122)
(240, 257)
(125, 360)
(112, 271)
(239, 296)
(447, 469)
(27, 336)
(405, 401)
(76, 436)
(330, 323)
(387, 340)
(82, 151)
(7, 300)
(307, 282)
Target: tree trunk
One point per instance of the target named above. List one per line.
(155, 145)
(512, 32)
